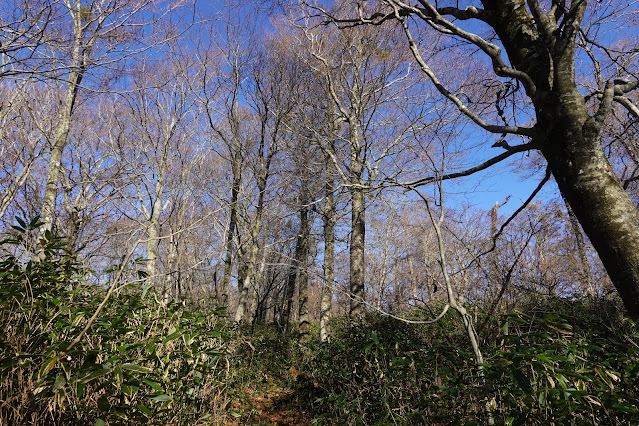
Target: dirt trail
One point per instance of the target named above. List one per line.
(280, 407)
(272, 405)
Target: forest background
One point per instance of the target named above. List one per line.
(289, 165)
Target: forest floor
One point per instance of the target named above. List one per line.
(277, 404)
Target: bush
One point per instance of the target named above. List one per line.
(576, 365)
(566, 369)
(141, 362)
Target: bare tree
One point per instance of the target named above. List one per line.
(24, 28)
(365, 79)
(89, 37)
(225, 64)
(24, 119)
(273, 94)
(541, 41)
(162, 112)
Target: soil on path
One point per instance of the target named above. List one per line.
(280, 407)
(285, 404)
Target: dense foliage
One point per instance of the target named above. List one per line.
(141, 361)
(145, 360)
(556, 363)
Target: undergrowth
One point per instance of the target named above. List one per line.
(558, 362)
(145, 360)
(142, 361)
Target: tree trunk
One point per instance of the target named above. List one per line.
(585, 276)
(297, 271)
(223, 296)
(235, 149)
(570, 139)
(253, 249)
(289, 291)
(412, 279)
(606, 213)
(358, 223)
(153, 234)
(47, 213)
(329, 248)
(305, 234)
(79, 56)
(357, 265)
(260, 292)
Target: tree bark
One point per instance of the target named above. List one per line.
(305, 234)
(585, 275)
(235, 149)
(80, 54)
(291, 280)
(298, 271)
(223, 297)
(253, 249)
(47, 213)
(153, 233)
(329, 247)
(606, 213)
(358, 222)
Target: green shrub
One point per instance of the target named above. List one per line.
(577, 366)
(565, 369)
(145, 361)
(141, 361)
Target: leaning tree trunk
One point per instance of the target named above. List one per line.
(47, 213)
(80, 54)
(569, 138)
(605, 212)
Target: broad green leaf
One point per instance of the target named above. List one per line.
(79, 388)
(573, 374)
(161, 398)
(47, 366)
(145, 410)
(129, 389)
(153, 385)
(93, 375)
(375, 337)
(59, 382)
(172, 336)
(103, 403)
(544, 359)
(605, 378)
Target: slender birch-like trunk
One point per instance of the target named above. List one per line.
(329, 246)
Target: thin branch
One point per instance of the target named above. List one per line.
(524, 131)
(483, 166)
